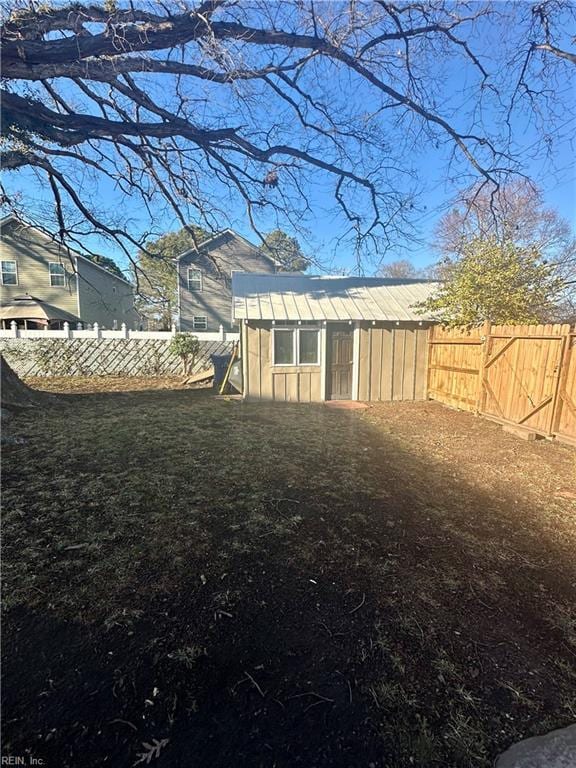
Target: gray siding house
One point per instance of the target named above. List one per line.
(205, 279)
(43, 284)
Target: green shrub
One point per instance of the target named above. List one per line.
(186, 347)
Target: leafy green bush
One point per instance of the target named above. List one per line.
(500, 282)
(186, 347)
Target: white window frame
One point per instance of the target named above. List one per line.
(9, 261)
(309, 330)
(200, 280)
(50, 275)
(204, 327)
(296, 329)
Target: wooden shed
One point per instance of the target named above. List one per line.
(308, 338)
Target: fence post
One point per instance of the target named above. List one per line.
(222, 333)
(78, 326)
(14, 329)
(124, 329)
(97, 331)
(67, 331)
(481, 397)
(429, 351)
(561, 374)
(173, 329)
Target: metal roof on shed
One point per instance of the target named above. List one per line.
(258, 296)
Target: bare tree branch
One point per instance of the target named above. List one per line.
(194, 107)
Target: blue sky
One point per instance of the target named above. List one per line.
(555, 176)
(554, 173)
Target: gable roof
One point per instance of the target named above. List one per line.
(259, 296)
(12, 217)
(205, 245)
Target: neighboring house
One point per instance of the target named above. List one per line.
(205, 279)
(309, 339)
(43, 284)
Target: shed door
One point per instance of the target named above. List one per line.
(340, 362)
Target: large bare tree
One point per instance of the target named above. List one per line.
(197, 106)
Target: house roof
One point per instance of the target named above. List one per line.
(258, 296)
(205, 245)
(12, 217)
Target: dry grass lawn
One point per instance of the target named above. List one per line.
(279, 585)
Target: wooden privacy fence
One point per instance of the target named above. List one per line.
(521, 375)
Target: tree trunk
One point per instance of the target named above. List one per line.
(14, 393)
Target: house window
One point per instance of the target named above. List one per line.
(9, 273)
(194, 280)
(57, 274)
(296, 346)
(200, 322)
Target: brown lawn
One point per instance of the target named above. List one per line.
(280, 585)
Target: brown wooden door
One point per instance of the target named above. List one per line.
(339, 369)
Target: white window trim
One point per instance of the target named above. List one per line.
(58, 264)
(9, 261)
(309, 330)
(198, 317)
(199, 271)
(295, 346)
(294, 356)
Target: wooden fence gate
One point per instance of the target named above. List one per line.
(522, 375)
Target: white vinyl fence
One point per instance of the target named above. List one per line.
(95, 332)
(95, 352)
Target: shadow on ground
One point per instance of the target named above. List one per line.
(275, 585)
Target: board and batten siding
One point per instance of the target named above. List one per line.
(226, 253)
(392, 362)
(32, 253)
(392, 365)
(263, 381)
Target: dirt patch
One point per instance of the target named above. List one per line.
(346, 405)
(92, 384)
(277, 585)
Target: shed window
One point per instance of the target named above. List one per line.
(9, 273)
(308, 347)
(296, 346)
(57, 274)
(194, 280)
(284, 347)
(200, 322)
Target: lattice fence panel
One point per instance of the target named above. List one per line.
(102, 357)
